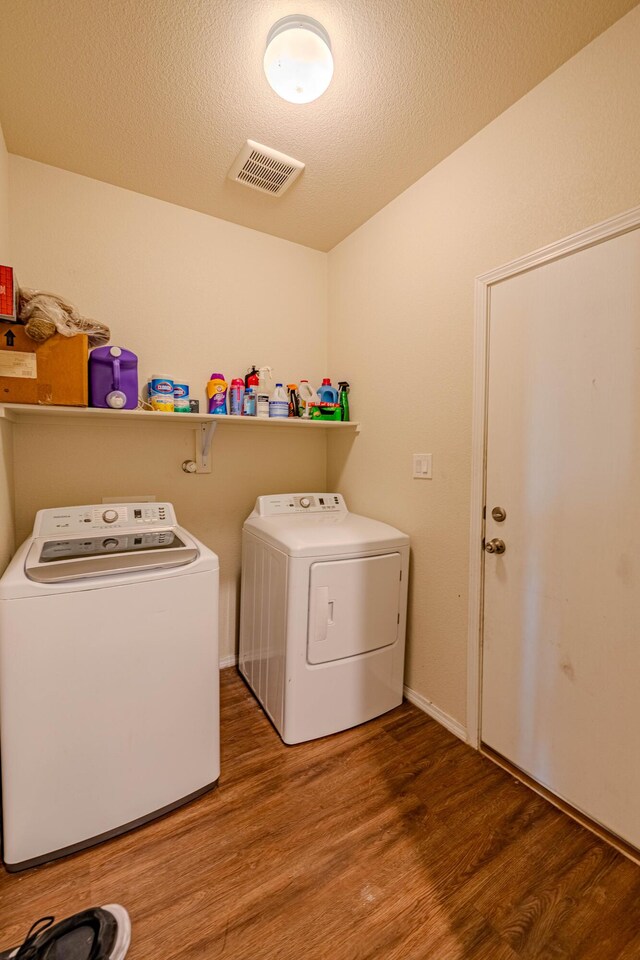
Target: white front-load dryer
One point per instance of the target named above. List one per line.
(323, 614)
(109, 677)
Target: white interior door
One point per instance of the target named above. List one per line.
(561, 654)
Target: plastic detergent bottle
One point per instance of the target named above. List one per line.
(343, 395)
(236, 396)
(307, 396)
(327, 393)
(217, 393)
(262, 397)
(279, 403)
(249, 403)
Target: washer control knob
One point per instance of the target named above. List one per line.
(110, 543)
(109, 516)
(305, 502)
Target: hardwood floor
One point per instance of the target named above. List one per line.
(391, 841)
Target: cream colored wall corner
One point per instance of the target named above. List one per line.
(4, 201)
(401, 316)
(7, 527)
(190, 295)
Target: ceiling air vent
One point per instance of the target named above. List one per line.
(265, 169)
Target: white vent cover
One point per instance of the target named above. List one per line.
(265, 169)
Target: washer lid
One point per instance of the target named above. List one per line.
(318, 535)
(118, 551)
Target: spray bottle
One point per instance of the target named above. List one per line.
(294, 403)
(262, 398)
(343, 398)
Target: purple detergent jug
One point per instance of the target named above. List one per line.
(113, 378)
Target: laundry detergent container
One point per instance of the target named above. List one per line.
(322, 614)
(113, 378)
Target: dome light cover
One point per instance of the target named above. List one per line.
(298, 61)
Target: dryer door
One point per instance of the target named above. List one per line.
(354, 606)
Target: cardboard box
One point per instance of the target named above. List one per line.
(8, 295)
(54, 372)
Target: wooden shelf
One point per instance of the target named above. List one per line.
(29, 413)
(204, 423)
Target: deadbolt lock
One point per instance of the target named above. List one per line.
(499, 514)
(495, 546)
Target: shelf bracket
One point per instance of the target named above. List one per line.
(204, 436)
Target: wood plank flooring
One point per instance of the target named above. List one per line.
(391, 841)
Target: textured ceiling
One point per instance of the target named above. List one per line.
(159, 95)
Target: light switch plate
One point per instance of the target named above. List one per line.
(422, 466)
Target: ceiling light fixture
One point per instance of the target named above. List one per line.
(298, 61)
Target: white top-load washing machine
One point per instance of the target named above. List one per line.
(109, 677)
(323, 613)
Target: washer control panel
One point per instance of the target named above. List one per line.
(103, 516)
(75, 547)
(300, 503)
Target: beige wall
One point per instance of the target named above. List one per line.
(190, 295)
(6, 429)
(401, 315)
(4, 201)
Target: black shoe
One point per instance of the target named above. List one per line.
(101, 933)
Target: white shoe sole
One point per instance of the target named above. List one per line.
(123, 937)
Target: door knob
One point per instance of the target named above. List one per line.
(495, 546)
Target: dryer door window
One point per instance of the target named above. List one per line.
(354, 606)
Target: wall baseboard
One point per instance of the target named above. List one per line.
(453, 726)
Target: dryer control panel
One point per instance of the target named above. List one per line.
(103, 516)
(290, 503)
